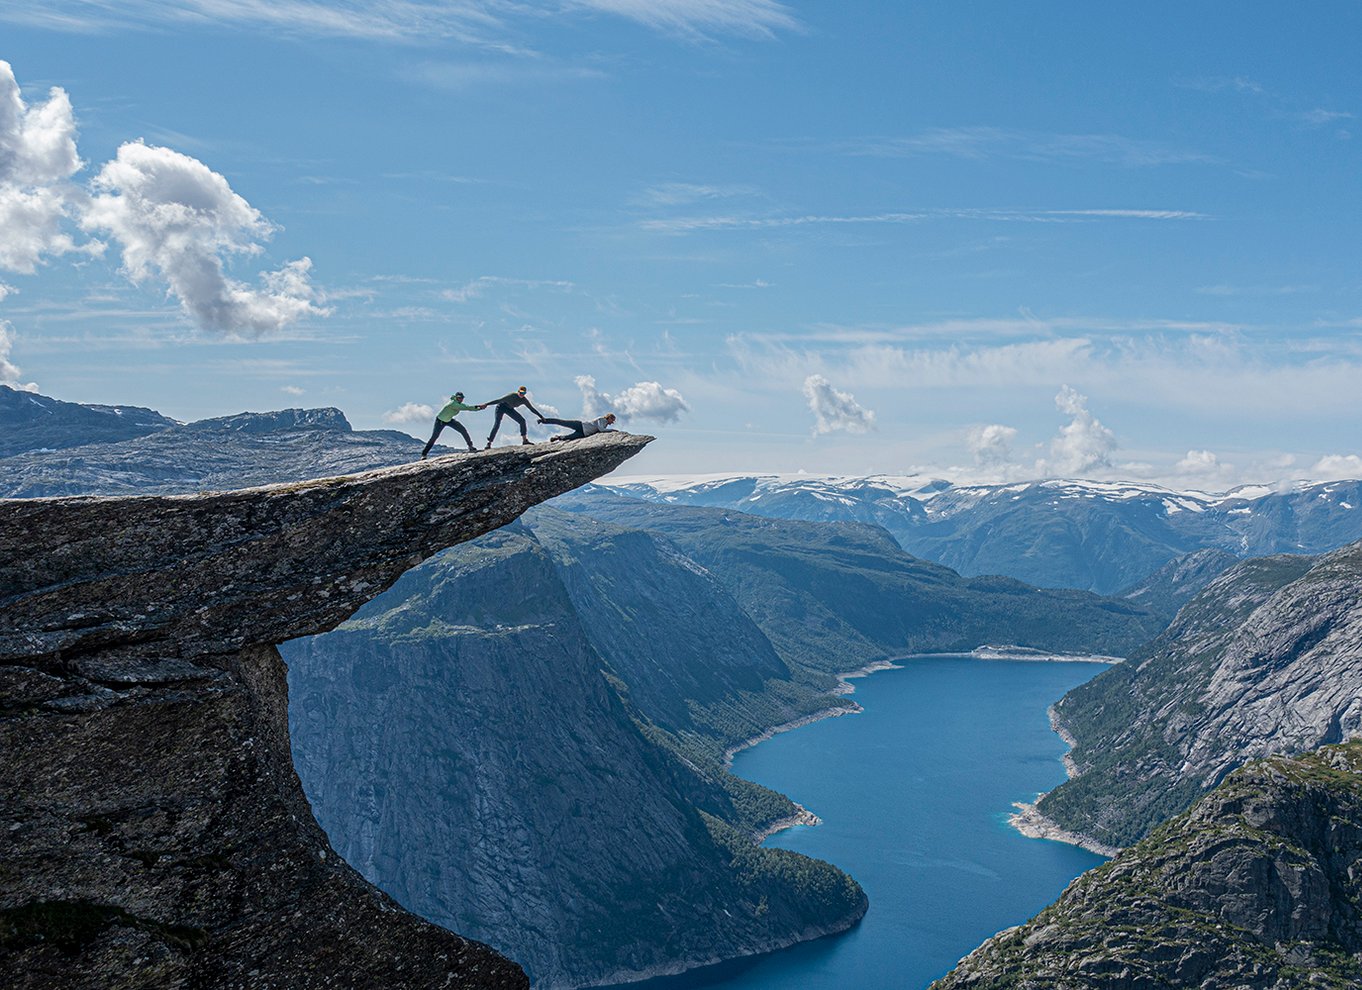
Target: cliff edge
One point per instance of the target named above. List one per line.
(1257, 887)
(154, 830)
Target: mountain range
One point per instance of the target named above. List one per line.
(1105, 537)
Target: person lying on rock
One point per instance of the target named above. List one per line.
(582, 428)
(445, 417)
(506, 406)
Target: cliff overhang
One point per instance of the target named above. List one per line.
(155, 829)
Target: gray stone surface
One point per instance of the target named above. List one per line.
(154, 831)
(1258, 887)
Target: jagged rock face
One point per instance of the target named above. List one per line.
(1267, 659)
(156, 834)
(1258, 887)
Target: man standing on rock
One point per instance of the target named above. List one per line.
(582, 428)
(445, 417)
(506, 406)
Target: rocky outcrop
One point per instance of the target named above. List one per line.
(1266, 660)
(1258, 887)
(155, 834)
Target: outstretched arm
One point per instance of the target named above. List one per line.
(530, 406)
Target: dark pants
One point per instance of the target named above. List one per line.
(496, 423)
(439, 426)
(577, 427)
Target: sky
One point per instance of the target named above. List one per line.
(984, 241)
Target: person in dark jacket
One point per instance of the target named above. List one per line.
(445, 417)
(506, 406)
(582, 428)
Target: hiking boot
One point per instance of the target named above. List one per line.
(489, 445)
(525, 440)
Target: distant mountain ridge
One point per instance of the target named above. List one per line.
(29, 421)
(1098, 536)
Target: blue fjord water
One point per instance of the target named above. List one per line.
(914, 794)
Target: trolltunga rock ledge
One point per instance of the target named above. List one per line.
(153, 827)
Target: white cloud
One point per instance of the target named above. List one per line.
(37, 159)
(1083, 444)
(9, 371)
(291, 390)
(991, 445)
(409, 412)
(176, 218)
(835, 410)
(1204, 469)
(642, 400)
(1336, 467)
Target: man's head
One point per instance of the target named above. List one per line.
(522, 390)
(609, 418)
(457, 396)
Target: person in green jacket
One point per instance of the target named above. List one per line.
(445, 417)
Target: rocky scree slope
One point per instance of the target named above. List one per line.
(156, 833)
(1257, 887)
(1267, 659)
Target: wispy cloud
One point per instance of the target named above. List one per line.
(683, 225)
(480, 285)
(685, 193)
(484, 23)
(980, 143)
(1274, 105)
(700, 18)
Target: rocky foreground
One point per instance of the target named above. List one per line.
(155, 834)
(1257, 887)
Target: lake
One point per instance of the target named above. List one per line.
(914, 795)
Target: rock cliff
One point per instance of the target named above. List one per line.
(155, 831)
(1267, 659)
(1258, 887)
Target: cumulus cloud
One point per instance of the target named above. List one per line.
(37, 160)
(176, 218)
(9, 371)
(291, 389)
(835, 410)
(991, 445)
(1083, 443)
(1204, 467)
(409, 412)
(642, 400)
(1337, 467)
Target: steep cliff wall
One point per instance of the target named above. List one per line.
(469, 748)
(1267, 659)
(155, 834)
(1258, 887)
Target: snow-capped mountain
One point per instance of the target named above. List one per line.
(1104, 536)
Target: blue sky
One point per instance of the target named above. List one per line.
(981, 240)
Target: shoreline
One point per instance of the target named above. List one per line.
(1032, 823)
(842, 689)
